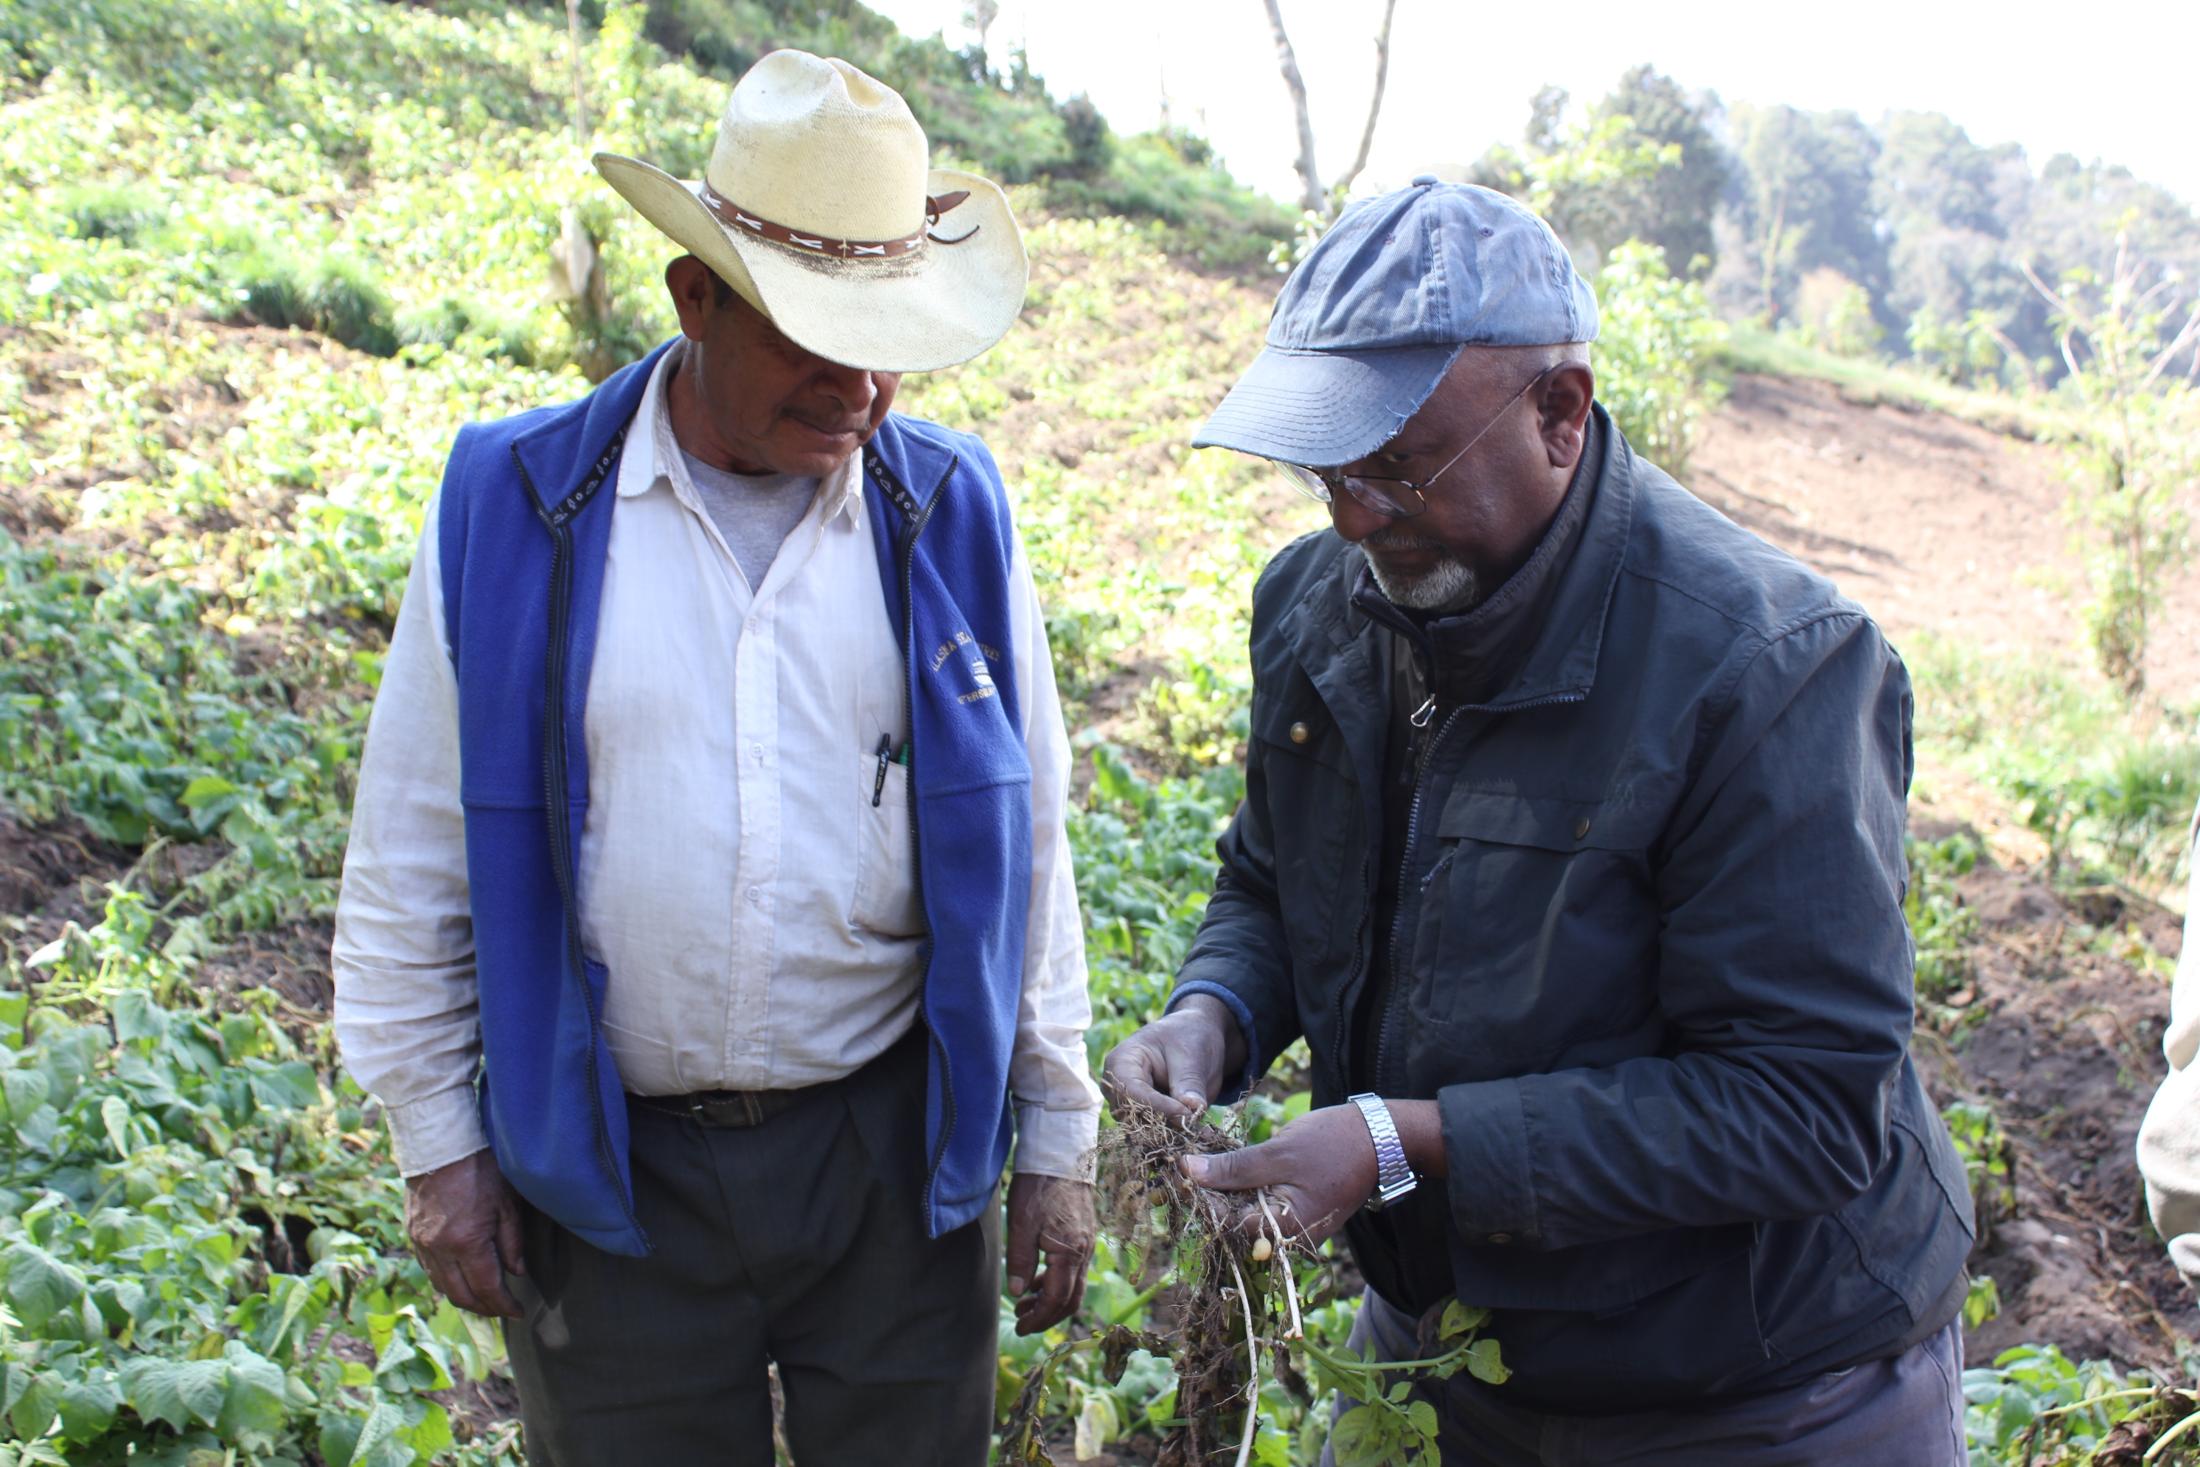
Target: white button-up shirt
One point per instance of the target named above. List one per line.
(745, 865)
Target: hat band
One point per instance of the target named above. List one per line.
(733, 216)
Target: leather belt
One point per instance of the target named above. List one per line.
(743, 1109)
(731, 1109)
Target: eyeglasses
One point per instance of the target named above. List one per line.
(1400, 499)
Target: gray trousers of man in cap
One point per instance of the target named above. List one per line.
(1904, 1411)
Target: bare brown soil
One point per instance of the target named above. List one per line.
(2060, 1036)
(1933, 524)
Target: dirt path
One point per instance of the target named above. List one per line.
(1932, 523)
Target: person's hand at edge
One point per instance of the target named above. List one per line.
(463, 1222)
(1050, 1218)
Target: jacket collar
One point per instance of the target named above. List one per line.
(1333, 630)
(558, 450)
(918, 462)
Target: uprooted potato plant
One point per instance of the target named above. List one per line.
(1235, 1287)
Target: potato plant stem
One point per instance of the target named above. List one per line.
(2161, 1443)
(2091, 1401)
(1355, 1363)
(1252, 1360)
(1283, 1263)
(1145, 1297)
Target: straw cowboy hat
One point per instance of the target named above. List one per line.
(820, 207)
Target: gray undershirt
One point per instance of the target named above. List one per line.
(754, 513)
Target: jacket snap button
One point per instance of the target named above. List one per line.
(1501, 1238)
(1581, 827)
(1298, 733)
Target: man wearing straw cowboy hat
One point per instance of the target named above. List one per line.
(708, 929)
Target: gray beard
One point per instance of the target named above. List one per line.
(1447, 585)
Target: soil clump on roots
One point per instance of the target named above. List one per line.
(1234, 1290)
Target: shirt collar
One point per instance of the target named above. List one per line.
(652, 455)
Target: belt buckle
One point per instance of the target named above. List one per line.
(717, 1115)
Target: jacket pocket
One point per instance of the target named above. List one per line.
(1311, 805)
(1539, 928)
(887, 898)
(1634, 1323)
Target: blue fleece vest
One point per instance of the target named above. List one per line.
(524, 526)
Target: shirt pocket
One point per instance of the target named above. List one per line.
(887, 900)
(1539, 930)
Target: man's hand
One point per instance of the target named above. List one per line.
(1318, 1170)
(1176, 1064)
(463, 1220)
(1050, 1216)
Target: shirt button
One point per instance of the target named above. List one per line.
(1298, 733)
(756, 895)
(757, 752)
(1501, 1238)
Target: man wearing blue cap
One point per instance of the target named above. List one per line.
(1572, 846)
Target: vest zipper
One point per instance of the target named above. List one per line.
(554, 791)
(916, 844)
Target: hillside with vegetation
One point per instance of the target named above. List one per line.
(262, 257)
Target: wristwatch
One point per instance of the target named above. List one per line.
(1393, 1173)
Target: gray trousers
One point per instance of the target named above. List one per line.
(1906, 1411)
(800, 1241)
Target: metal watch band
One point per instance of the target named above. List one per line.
(1393, 1173)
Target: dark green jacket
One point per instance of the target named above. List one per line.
(1650, 955)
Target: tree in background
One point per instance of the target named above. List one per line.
(1592, 179)
(1834, 313)
(979, 16)
(1315, 198)
(2138, 444)
(1673, 206)
(1947, 206)
(2100, 218)
(1606, 184)
(1802, 200)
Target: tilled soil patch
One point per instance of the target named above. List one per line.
(2061, 1039)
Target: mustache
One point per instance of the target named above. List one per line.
(831, 422)
(1397, 537)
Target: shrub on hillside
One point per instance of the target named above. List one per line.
(108, 211)
(332, 294)
(1091, 145)
(1835, 313)
(452, 320)
(1205, 213)
(1655, 354)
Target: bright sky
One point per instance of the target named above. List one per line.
(2098, 82)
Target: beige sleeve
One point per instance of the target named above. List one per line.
(2169, 1137)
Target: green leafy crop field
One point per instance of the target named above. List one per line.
(259, 259)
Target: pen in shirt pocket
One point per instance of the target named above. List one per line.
(887, 754)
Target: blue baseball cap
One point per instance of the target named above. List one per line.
(1375, 315)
